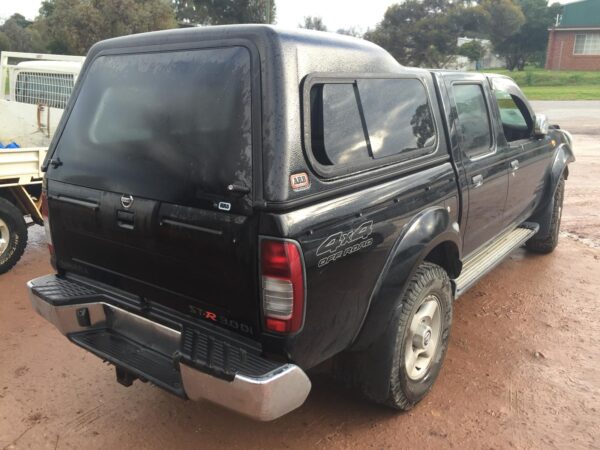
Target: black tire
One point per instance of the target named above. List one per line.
(380, 372)
(548, 242)
(14, 231)
(430, 279)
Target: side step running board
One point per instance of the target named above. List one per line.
(490, 256)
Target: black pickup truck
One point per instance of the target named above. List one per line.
(228, 207)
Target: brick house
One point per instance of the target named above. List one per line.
(574, 43)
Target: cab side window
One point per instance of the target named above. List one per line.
(369, 122)
(516, 121)
(337, 130)
(473, 118)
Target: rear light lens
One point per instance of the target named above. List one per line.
(282, 277)
(46, 217)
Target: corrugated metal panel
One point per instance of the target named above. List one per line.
(585, 13)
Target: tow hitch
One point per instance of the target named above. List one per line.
(125, 377)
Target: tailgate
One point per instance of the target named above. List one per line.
(153, 189)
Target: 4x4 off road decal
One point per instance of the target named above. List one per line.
(342, 244)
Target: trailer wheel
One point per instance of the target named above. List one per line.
(13, 235)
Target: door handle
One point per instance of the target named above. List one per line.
(477, 181)
(125, 219)
(514, 165)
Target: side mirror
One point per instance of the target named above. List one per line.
(541, 126)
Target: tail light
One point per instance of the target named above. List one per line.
(46, 217)
(282, 276)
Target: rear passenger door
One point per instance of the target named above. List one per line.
(484, 165)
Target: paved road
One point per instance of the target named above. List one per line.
(522, 370)
(582, 215)
(581, 117)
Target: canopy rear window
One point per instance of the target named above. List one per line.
(172, 126)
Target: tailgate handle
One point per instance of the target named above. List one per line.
(189, 226)
(76, 201)
(125, 219)
(238, 189)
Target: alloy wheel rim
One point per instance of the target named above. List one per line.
(4, 236)
(423, 338)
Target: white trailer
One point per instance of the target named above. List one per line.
(34, 91)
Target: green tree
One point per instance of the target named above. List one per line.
(351, 31)
(186, 12)
(73, 26)
(20, 35)
(223, 12)
(474, 50)
(425, 33)
(4, 42)
(313, 23)
(528, 43)
(503, 19)
(20, 20)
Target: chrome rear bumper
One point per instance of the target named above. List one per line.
(263, 397)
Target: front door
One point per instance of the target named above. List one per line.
(528, 157)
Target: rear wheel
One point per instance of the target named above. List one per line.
(548, 242)
(400, 367)
(421, 336)
(13, 235)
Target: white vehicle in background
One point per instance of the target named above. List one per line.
(34, 91)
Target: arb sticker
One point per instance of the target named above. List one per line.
(299, 181)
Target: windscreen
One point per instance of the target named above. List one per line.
(172, 126)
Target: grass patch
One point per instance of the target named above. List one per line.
(541, 84)
(541, 77)
(581, 92)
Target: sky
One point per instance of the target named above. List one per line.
(335, 13)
